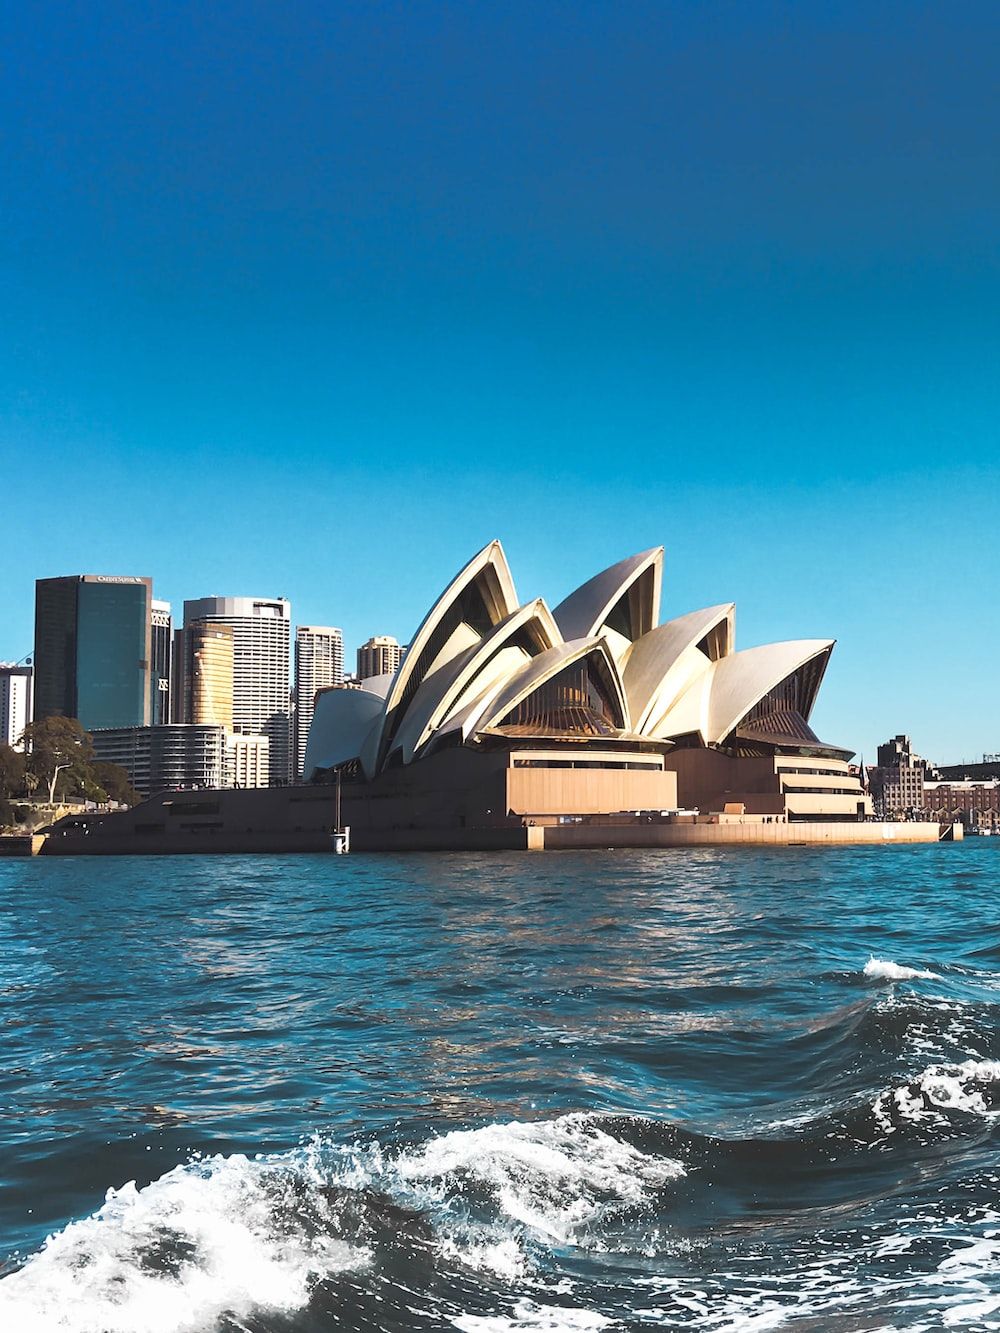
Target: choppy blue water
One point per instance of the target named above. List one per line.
(682, 1089)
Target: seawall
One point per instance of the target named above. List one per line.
(558, 837)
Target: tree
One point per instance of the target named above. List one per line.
(61, 753)
(11, 771)
(113, 782)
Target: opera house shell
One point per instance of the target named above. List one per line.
(503, 711)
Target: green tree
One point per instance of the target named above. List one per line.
(113, 782)
(11, 771)
(61, 754)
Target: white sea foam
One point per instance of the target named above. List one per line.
(527, 1317)
(938, 1089)
(883, 969)
(554, 1177)
(973, 1266)
(839, 1282)
(234, 1234)
(223, 1234)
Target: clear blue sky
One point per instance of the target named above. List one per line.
(315, 300)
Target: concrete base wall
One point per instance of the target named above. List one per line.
(455, 801)
(22, 844)
(749, 834)
(559, 837)
(446, 840)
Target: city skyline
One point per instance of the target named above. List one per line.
(405, 279)
(297, 741)
(164, 607)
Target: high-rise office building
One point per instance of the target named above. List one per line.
(203, 670)
(261, 632)
(319, 663)
(93, 644)
(15, 702)
(213, 668)
(161, 648)
(380, 654)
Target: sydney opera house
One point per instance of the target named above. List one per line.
(508, 713)
(510, 725)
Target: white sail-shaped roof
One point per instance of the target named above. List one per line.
(718, 699)
(689, 713)
(481, 664)
(622, 602)
(665, 662)
(494, 659)
(479, 597)
(742, 680)
(542, 669)
(342, 721)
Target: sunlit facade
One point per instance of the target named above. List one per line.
(15, 702)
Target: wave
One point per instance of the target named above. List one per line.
(556, 1178)
(466, 1229)
(470, 1229)
(226, 1236)
(883, 969)
(940, 1103)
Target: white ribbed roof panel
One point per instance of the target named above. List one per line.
(741, 681)
(468, 674)
(342, 720)
(583, 612)
(663, 663)
(486, 581)
(541, 669)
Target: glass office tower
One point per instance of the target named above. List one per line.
(92, 649)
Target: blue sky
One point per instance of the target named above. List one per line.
(315, 300)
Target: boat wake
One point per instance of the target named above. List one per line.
(224, 1237)
(530, 1226)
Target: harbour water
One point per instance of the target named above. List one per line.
(686, 1089)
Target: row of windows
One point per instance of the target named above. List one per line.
(823, 791)
(577, 763)
(813, 772)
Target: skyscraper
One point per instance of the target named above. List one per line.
(15, 702)
(260, 629)
(203, 675)
(93, 642)
(319, 662)
(212, 674)
(379, 655)
(161, 644)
